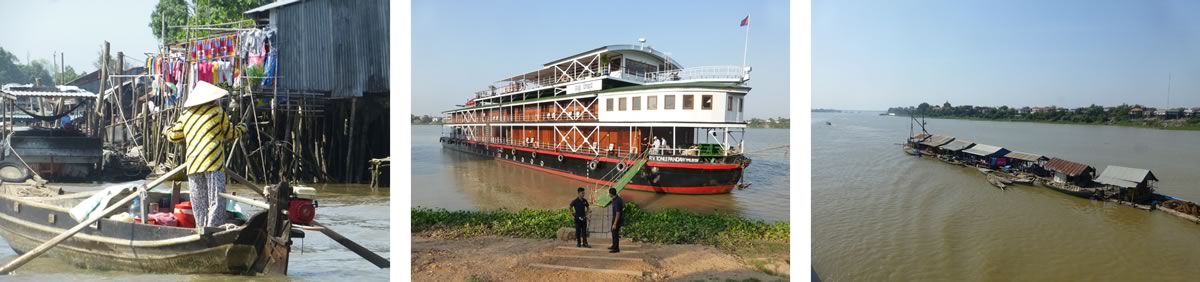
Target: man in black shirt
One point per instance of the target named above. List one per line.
(618, 206)
(579, 206)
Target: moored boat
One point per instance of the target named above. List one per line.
(30, 216)
(612, 112)
(1069, 189)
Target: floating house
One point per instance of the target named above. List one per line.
(1027, 161)
(1065, 171)
(1133, 183)
(993, 156)
(934, 141)
(955, 147)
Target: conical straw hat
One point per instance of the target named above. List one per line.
(204, 92)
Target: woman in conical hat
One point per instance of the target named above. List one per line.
(204, 128)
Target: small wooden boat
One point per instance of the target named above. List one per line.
(29, 216)
(910, 150)
(949, 160)
(996, 182)
(1066, 188)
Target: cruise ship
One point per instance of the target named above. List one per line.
(621, 115)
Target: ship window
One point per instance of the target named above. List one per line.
(622, 106)
(741, 104)
(609, 105)
(688, 102)
(706, 102)
(669, 102)
(637, 103)
(651, 103)
(729, 103)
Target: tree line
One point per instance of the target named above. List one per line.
(12, 70)
(1090, 114)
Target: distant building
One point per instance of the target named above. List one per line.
(1160, 113)
(1038, 110)
(1136, 112)
(1024, 110)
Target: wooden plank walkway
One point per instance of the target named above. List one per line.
(597, 250)
(586, 269)
(597, 257)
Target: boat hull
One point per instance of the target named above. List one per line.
(124, 246)
(674, 175)
(1081, 192)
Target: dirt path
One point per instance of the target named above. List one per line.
(491, 258)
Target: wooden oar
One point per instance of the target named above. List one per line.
(361, 251)
(16, 263)
(239, 179)
(354, 247)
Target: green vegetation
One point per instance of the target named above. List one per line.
(780, 122)
(12, 71)
(1123, 115)
(425, 119)
(203, 12)
(671, 226)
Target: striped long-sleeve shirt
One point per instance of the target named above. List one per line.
(205, 129)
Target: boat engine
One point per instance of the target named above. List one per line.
(302, 208)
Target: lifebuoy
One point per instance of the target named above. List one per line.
(621, 166)
(592, 165)
(534, 154)
(11, 171)
(560, 158)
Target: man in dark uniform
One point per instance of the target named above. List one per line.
(580, 208)
(618, 206)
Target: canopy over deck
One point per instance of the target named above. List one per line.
(1026, 156)
(984, 150)
(957, 145)
(13, 91)
(937, 140)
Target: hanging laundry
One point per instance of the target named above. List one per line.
(271, 68)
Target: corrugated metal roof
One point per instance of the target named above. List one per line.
(1025, 156)
(984, 150)
(335, 47)
(1067, 167)
(28, 90)
(270, 6)
(957, 145)
(937, 140)
(1124, 176)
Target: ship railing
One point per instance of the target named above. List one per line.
(685, 151)
(545, 117)
(704, 73)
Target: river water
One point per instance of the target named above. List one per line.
(354, 211)
(881, 215)
(454, 180)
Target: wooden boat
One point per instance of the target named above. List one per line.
(1177, 207)
(28, 221)
(1065, 188)
(909, 150)
(1020, 179)
(996, 182)
(949, 160)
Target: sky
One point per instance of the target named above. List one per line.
(460, 48)
(871, 55)
(78, 28)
